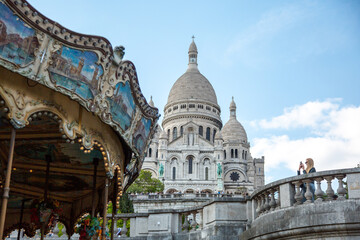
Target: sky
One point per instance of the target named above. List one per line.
(293, 67)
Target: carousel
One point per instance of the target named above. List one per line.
(74, 125)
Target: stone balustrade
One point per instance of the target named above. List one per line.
(209, 219)
(182, 196)
(305, 189)
(188, 220)
(328, 208)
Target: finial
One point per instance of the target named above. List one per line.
(233, 98)
(151, 103)
(193, 37)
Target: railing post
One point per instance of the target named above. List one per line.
(319, 193)
(329, 190)
(194, 223)
(124, 230)
(257, 210)
(308, 193)
(272, 201)
(341, 190)
(262, 204)
(298, 195)
(201, 218)
(267, 205)
(186, 223)
(278, 203)
(113, 227)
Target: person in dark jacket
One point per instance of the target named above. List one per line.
(309, 169)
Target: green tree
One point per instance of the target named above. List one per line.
(146, 184)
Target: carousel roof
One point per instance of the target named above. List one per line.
(78, 111)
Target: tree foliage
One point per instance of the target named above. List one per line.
(146, 184)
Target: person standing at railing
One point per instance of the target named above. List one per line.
(309, 169)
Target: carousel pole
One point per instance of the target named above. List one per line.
(21, 217)
(48, 160)
(96, 162)
(106, 192)
(7, 183)
(113, 207)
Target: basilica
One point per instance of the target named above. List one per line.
(192, 151)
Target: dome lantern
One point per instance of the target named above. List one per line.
(232, 109)
(193, 54)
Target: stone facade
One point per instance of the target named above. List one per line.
(192, 151)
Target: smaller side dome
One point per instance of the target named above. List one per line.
(233, 131)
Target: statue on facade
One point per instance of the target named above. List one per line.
(219, 170)
(161, 170)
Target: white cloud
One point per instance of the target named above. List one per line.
(311, 114)
(333, 142)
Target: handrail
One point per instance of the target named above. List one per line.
(304, 176)
(298, 190)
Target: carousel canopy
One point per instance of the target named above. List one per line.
(78, 113)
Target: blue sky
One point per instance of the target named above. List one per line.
(293, 67)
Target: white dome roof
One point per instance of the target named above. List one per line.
(233, 131)
(192, 85)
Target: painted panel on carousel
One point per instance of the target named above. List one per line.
(62, 154)
(59, 182)
(141, 133)
(17, 40)
(122, 105)
(76, 71)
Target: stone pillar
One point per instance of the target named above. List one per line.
(353, 181)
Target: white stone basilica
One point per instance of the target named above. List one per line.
(192, 152)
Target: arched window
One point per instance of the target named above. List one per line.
(243, 154)
(201, 130)
(174, 173)
(236, 153)
(190, 165)
(208, 134)
(150, 150)
(169, 134)
(206, 173)
(157, 153)
(214, 133)
(181, 130)
(174, 133)
(224, 154)
(232, 153)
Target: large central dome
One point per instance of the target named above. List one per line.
(192, 85)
